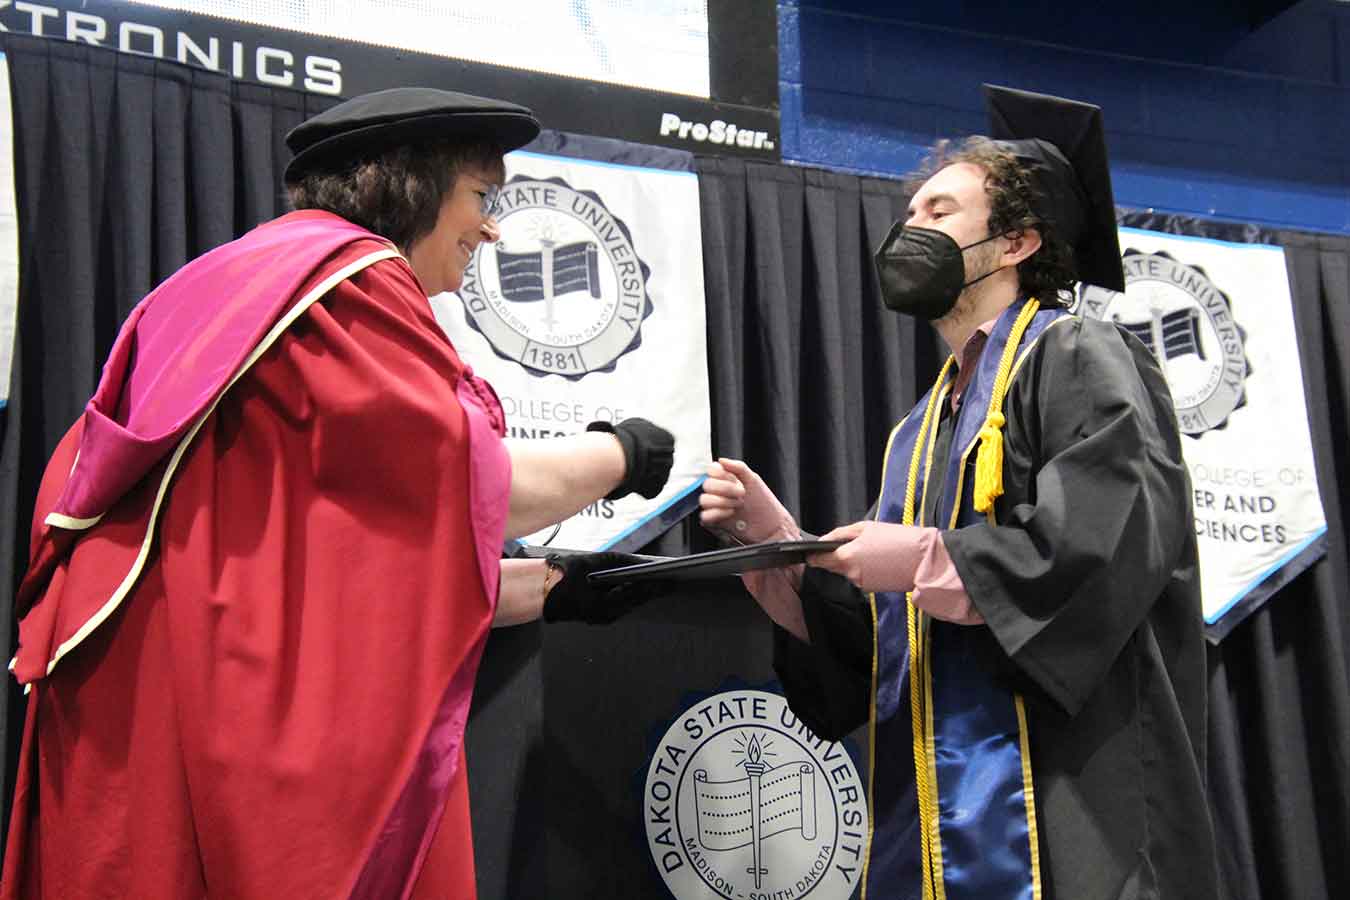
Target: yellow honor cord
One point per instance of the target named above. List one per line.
(988, 486)
(989, 462)
(924, 792)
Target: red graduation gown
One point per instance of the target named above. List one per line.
(276, 707)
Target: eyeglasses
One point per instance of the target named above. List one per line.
(488, 199)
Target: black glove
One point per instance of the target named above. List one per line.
(575, 599)
(648, 451)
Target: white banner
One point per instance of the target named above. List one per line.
(591, 307)
(1219, 319)
(9, 236)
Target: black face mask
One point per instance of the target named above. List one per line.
(923, 271)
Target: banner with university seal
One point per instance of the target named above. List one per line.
(9, 237)
(1218, 317)
(590, 307)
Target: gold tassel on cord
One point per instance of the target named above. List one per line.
(989, 462)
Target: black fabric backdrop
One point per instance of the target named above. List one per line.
(128, 167)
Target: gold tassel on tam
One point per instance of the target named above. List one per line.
(989, 462)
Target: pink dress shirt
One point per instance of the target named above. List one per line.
(938, 589)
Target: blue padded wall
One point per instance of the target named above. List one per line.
(1205, 114)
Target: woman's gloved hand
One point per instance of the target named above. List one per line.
(648, 452)
(575, 599)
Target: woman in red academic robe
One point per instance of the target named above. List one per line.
(266, 558)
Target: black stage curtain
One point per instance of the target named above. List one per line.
(1279, 691)
(128, 167)
(808, 371)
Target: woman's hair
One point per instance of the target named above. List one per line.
(397, 194)
(1049, 271)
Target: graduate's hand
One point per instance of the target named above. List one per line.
(737, 503)
(879, 556)
(574, 599)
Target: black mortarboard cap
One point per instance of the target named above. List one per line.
(365, 126)
(1063, 146)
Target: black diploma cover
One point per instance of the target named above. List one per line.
(717, 563)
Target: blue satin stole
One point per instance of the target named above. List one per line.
(974, 728)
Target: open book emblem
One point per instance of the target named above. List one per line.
(1186, 322)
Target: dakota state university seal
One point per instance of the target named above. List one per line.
(1187, 324)
(742, 801)
(564, 291)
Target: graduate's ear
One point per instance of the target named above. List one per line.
(1021, 244)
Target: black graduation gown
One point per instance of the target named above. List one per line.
(1090, 592)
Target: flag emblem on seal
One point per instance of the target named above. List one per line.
(564, 291)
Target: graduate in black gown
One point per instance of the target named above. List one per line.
(1018, 618)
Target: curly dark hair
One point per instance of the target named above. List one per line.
(397, 194)
(1049, 273)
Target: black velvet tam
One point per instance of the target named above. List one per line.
(366, 126)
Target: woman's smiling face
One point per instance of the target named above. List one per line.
(465, 220)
